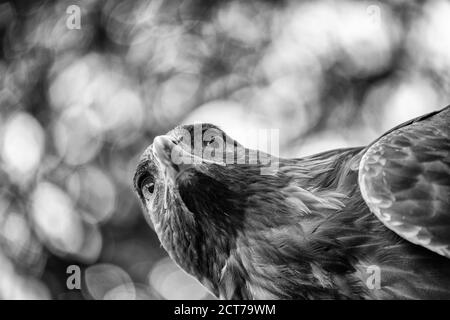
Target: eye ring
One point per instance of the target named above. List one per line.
(147, 186)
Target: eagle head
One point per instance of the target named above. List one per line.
(194, 183)
(227, 220)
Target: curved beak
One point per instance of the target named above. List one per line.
(171, 156)
(162, 149)
(174, 159)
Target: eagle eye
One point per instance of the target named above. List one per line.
(147, 186)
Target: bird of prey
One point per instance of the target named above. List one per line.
(367, 222)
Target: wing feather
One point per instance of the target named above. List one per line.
(404, 178)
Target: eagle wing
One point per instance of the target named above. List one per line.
(404, 177)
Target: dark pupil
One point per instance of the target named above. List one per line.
(150, 187)
(147, 182)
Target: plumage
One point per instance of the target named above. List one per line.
(407, 186)
(315, 228)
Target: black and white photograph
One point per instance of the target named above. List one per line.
(218, 152)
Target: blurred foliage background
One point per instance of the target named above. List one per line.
(77, 108)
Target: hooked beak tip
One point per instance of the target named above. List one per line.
(162, 149)
(167, 152)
